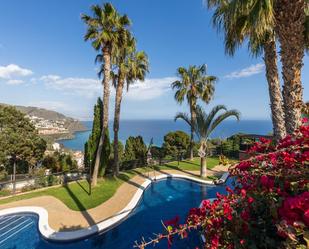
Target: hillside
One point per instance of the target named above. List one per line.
(69, 123)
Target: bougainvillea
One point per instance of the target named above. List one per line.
(268, 207)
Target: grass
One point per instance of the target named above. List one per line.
(191, 165)
(76, 195)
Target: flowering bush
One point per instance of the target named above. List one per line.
(269, 206)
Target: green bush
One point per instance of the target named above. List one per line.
(176, 143)
(134, 153)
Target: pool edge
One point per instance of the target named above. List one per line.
(50, 234)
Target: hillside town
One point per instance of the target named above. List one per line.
(48, 127)
(52, 127)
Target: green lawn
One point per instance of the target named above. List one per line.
(76, 195)
(191, 165)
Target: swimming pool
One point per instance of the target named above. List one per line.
(162, 200)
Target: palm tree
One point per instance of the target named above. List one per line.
(290, 19)
(132, 66)
(238, 22)
(103, 30)
(204, 125)
(287, 20)
(194, 84)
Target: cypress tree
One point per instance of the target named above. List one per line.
(91, 145)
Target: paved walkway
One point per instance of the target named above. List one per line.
(61, 218)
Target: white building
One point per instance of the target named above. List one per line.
(56, 146)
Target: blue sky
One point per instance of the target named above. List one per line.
(45, 62)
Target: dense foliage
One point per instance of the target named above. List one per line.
(134, 153)
(112, 157)
(269, 207)
(59, 162)
(92, 144)
(176, 143)
(20, 140)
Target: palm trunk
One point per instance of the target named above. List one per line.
(193, 117)
(118, 99)
(203, 167)
(106, 93)
(276, 105)
(290, 19)
(202, 154)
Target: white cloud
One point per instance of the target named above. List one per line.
(150, 88)
(87, 87)
(13, 71)
(246, 72)
(14, 82)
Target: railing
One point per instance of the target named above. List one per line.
(26, 182)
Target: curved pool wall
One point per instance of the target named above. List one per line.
(161, 200)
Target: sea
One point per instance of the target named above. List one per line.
(156, 129)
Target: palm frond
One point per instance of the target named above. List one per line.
(213, 113)
(222, 117)
(184, 116)
(205, 124)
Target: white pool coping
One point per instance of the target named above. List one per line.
(50, 234)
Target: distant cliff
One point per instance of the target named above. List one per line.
(71, 124)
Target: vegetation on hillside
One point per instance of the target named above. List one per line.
(19, 143)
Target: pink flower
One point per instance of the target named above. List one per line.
(245, 215)
(264, 181)
(250, 200)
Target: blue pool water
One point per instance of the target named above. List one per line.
(162, 200)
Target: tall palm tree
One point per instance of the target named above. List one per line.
(290, 19)
(194, 84)
(238, 21)
(204, 125)
(132, 66)
(287, 20)
(103, 29)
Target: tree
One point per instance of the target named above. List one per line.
(103, 30)
(194, 84)
(157, 153)
(134, 152)
(238, 20)
(287, 20)
(19, 139)
(132, 66)
(290, 19)
(92, 144)
(176, 143)
(120, 153)
(204, 125)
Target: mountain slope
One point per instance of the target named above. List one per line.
(71, 124)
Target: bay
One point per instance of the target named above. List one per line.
(156, 129)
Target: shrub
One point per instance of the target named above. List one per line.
(134, 153)
(269, 206)
(28, 187)
(176, 143)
